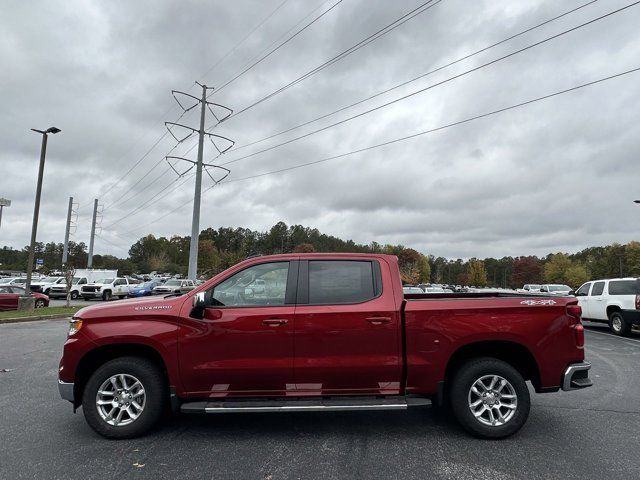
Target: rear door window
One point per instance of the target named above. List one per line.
(598, 288)
(624, 287)
(341, 281)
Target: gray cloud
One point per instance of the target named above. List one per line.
(557, 175)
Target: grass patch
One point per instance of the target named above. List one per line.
(39, 312)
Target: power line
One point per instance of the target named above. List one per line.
(235, 47)
(233, 79)
(465, 57)
(442, 127)
(407, 137)
(145, 155)
(434, 85)
(362, 43)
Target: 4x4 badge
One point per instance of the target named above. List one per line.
(538, 302)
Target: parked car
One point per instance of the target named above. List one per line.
(44, 285)
(142, 289)
(556, 289)
(531, 288)
(82, 276)
(106, 289)
(332, 332)
(13, 281)
(408, 290)
(174, 286)
(615, 301)
(9, 295)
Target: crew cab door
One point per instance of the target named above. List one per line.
(347, 329)
(597, 302)
(582, 294)
(243, 345)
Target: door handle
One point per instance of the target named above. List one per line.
(274, 322)
(378, 320)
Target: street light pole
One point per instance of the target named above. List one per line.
(36, 210)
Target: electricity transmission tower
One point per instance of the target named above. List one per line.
(72, 222)
(199, 164)
(97, 216)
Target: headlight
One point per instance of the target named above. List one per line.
(74, 326)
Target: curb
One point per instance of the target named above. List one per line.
(34, 318)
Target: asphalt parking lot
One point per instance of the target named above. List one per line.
(593, 433)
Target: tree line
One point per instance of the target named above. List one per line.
(223, 247)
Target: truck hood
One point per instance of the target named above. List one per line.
(131, 307)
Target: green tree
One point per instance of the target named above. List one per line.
(476, 273)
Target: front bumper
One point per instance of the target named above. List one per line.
(66, 390)
(576, 376)
(97, 294)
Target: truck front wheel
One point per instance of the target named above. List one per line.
(74, 295)
(124, 398)
(490, 398)
(106, 296)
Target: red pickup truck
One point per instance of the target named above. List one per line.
(309, 332)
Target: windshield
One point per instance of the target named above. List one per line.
(533, 287)
(75, 280)
(104, 280)
(558, 288)
(5, 280)
(173, 283)
(49, 280)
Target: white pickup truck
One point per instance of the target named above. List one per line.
(81, 277)
(44, 285)
(615, 301)
(106, 288)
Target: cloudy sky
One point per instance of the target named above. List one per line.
(556, 175)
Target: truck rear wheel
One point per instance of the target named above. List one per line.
(490, 398)
(124, 398)
(617, 325)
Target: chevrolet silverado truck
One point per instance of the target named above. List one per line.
(328, 332)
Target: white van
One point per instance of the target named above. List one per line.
(615, 301)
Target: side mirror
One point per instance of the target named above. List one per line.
(199, 300)
(199, 303)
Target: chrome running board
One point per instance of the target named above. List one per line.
(334, 404)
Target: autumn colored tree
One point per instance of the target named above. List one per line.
(410, 263)
(526, 270)
(304, 248)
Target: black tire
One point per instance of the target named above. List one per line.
(40, 303)
(155, 388)
(617, 325)
(106, 296)
(460, 397)
(74, 295)
(47, 291)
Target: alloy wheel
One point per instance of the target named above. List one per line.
(492, 400)
(120, 399)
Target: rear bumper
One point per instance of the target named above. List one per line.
(631, 317)
(576, 376)
(66, 390)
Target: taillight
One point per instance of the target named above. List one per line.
(579, 329)
(637, 302)
(574, 312)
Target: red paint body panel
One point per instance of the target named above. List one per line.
(323, 349)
